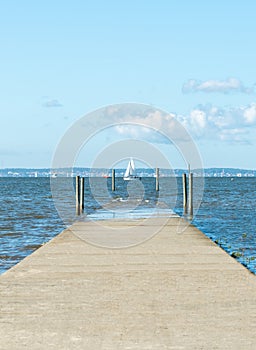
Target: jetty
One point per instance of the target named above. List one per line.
(177, 290)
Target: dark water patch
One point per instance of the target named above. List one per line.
(10, 258)
(30, 247)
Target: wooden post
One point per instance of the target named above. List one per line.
(113, 180)
(190, 197)
(81, 206)
(77, 195)
(157, 179)
(185, 195)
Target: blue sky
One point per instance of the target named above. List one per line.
(63, 59)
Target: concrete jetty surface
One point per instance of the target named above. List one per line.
(174, 291)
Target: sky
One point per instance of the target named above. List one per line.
(61, 60)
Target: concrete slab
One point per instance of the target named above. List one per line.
(173, 291)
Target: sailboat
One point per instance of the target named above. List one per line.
(130, 173)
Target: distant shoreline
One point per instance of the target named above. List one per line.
(142, 172)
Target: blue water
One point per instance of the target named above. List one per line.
(228, 216)
(28, 217)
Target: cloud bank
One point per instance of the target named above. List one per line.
(221, 86)
(163, 126)
(226, 124)
(232, 124)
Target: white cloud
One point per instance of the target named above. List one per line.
(162, 124)
(52, 103)
(230, 124)
(132, 131)
(232, 134)
(250, 114)
(226, 124)
(198, 119)
(222, 86)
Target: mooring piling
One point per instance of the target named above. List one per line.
(81, 199)
(190, 197)
(113, 180)
(157, 179)
(77, 195)
(185, 196)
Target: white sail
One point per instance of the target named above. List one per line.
(132, 167)
(130, 172)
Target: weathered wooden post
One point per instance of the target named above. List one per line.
(77, 195)
(81, 204)
(190, 197)
(113, 180)
(185, 195)
(157, 179)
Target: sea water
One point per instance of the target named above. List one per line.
(29, 218)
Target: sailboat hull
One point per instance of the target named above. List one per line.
(129, 178)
